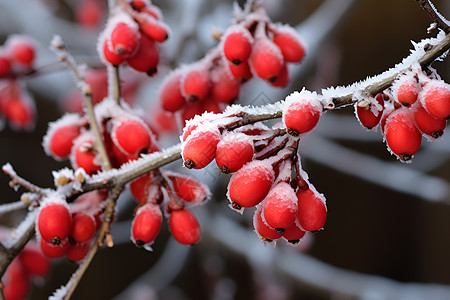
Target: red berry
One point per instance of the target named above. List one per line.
(5, 65)
(83, 227)
(124, 39)
(153, 29)
(89, 13)
(132, 136)
(237, 45)
(146, 58)
(293, 234)
(54, 251)
(283, 79)
(251, 184)
(280, 207)
(78, 251)
(435, 98)
(370, 115)
(312, 212)
(21, 49)
(59, 139)
(190, 110)
(139, 187)
(291, 47)
(20, 112)
(200, 148)
(266, 59)
(34, 262)
(188, 189)
(184, 227)
(170, 93)
(241, 72)
(233, 152)
(16, 282)
(225, 87)
(146, 224)
(406, 89)
(196, 84)
(266, 232)
(428, 124)
(402, 135)
(84, 156)
(302, 112)
(110, 56)
(54, 223)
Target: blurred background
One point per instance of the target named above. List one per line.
(386, 235)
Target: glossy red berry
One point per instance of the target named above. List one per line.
(435, 98)
(292, 49)
(280, 207)
(267, 233)
(196, 84)
(59, 139)
(233, 152)
(5, 65)
(139, 187)
(293, 234)
(302, 112)
(146, 58)
(241, 72)
(170, 95)
(189, 189)
(146, 224)
(84, 156)
(283, 79)
(78, 252)
(428, 124)
(34, 262)
(200, 148)
(21, 49)
(54, 223)
(20, 112)
(184, 227)
(370, 115)
(402, 135)
(154, 29)
(251, 184)
(15, 282)
(89, 13)
(132, 136)
(225, 88)
(406, 89)
(124, 39)
(266, 60)
(83, 227)
(312, 212)
(237, 45)
(110, 56)
(54, 251)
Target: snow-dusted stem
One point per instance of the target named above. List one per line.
(437, 18)
(115, 81)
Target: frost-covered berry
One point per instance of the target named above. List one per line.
(184, 227)
(225, 88)
(267, 233)
(170, 95)
(19, 111)
(54, 222)
(233, 151)
(266, 59)
(189, 189)
(293, 234)
(83, 154)
(153, 28)
(251, 184)
(241, 72)
(146, 224)
(370, 115)
(237, 45)
(83, 227)
(428, 124)
(196, 84)
(139, 187)
(402, 135)
(435, 98)
(146, 57)
(60, 135)
(109, 55)
(131, 136)
(406, 90)
(282, 79)
(200, 148)
(302, 112)
(34, 261)
(54, 251)
(312, 211)
(280, 207)
(124, 39)
(288, 42)
(21, 49)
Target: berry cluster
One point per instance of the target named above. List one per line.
(131, 36)
(415, 105)
(252, 46)
(29, 264)
(172, 193)
(265, 163)
(17, 58)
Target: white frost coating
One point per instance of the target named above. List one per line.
(18, 232)
(433, 86)
(67, 119)
(236, 28)
(259, 210)
(406, 80)
(284, 198)
(57, 43)
(407, 63)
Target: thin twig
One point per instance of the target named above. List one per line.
(17, 180)
(115, 81)
(437, 18)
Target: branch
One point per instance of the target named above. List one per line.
(437, 18)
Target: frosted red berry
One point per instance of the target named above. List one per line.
(54, 251)
(241, 72)
(146, 224)
(110, 56)
(237, 46)
(154, 29)
(83, 227)
(267, 233)
(280, 207)
(184, 227)
(196, 84)
(289, 44)
(293, 234)
(428, 124)
(84, 156)
(189, 189)
(170, 95)
(302, 112)
(21, 49)
(406, 90)
(435, 98)
(225, 87)
(370, 115)
(146, 58)
(200, 148)
(312, 212)
(132, 136)
(124, 39)
(34, 261)
(54, 223)
(233, 152)
(266, 59)
(60, 142)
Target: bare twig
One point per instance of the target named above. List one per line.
(437, 18)
(16, 180)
